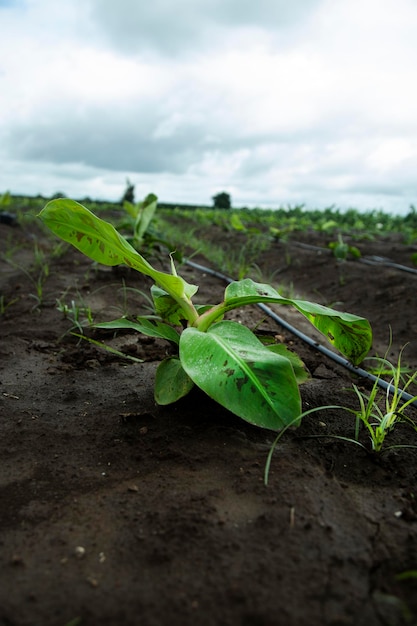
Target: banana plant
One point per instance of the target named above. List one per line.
(139, 217)
(225, 359)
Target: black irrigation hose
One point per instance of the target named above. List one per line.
(311, 342)
(380, 260)
(369, 260)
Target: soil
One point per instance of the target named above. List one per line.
(115, 511)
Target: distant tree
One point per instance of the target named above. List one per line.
(58, 194)
(411, 218)
(222, 201)
(129, 194)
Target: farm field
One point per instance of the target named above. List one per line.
(116, 510)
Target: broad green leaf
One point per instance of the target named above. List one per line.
(350, 334)
(236, 223)
(171, 381)
(233, 367)
(144, 325)
(300, 371)
(169, 310)
(166, 307)
(145, 215)
(5, 199)
(130, 209)
(101, 242)
(340, 249)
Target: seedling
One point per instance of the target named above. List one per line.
(5, 217)
(222, 357)
(343, 250)
(137, 222)
(236, 223)
(139, 217)
(5, 200)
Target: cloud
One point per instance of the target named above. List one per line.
(187, 26)
(272, 101)
(106, 142)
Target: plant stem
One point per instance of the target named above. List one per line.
(204, 321)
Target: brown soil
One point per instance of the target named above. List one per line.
(115, 511)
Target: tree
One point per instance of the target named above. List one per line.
(222, 201)
(129, 194)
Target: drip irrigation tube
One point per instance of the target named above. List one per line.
(311, 342)
(368, 260)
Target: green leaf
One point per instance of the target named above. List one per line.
(144, 325)
(166, 307)
(171, 381)
(5, 199)
(107, 348)
(101, 242)
(340, 249)
(233, 367)
(355, 252)
(130, 209)
(169, 310)
(145, 214)
(300, 371)
(236, 223)
(350, 334)
(96, 238)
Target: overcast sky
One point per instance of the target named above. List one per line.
(275, 102)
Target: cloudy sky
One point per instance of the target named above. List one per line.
(275, 102)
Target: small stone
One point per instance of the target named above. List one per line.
(79, 552)
(16, 560)
(92, 363)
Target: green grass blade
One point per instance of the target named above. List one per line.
(99, 344)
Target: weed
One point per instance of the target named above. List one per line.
(11, 249)
(4, 305)
(407, 575)
(79, 316)
(294, 422)
(134, 291)
(380, 411)
(380, 421)
(37, 275)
